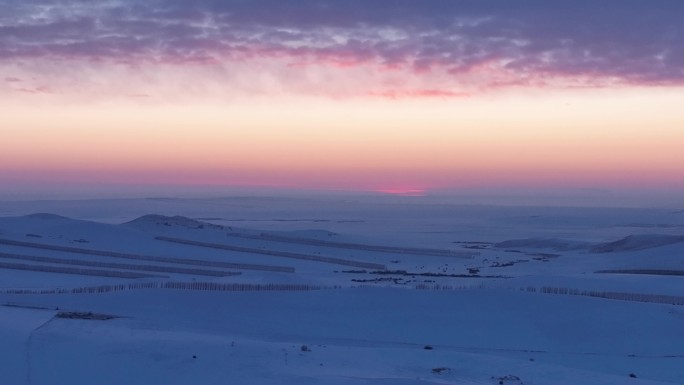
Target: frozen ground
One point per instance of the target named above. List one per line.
(349, 290)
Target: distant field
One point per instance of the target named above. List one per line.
(76, 271)
(642, 271)
(274, 253)
(181, 261)
(121, 266)
(354, 246)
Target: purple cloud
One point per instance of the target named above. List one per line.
(36, 90)
(629, 41)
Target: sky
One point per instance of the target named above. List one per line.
(399, 97)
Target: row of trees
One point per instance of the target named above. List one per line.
(635, 297)
(227, 287)
(76, 271)
(192, 286)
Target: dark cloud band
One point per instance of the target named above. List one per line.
(627, 40)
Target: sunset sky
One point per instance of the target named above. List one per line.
(398, 96)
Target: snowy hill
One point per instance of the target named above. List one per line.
(543, 243)
(638, 242)
(146, 221)
(431, 300)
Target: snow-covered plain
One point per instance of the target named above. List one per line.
(348, 290)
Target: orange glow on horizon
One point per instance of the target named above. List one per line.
(626, 137)
(403, 192)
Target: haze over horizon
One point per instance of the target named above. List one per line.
(406, 98)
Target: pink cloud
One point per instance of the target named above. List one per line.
(37, 90)
(419, 93)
